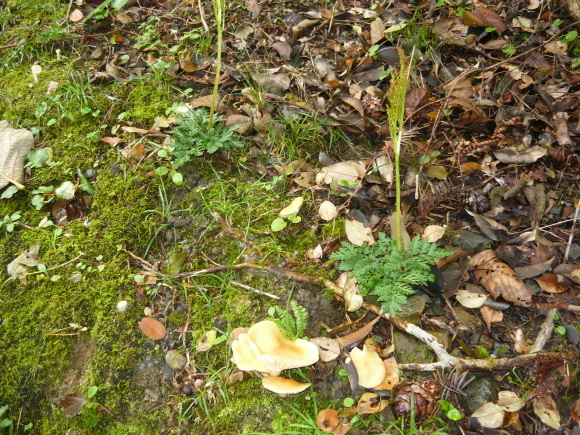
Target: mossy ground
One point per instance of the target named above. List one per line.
(89, 269)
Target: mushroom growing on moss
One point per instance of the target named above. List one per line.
(369, 366)
(265, 349)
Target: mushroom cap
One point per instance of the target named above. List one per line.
(282, 385)
(244, 355)
(369, 366)
(278, 353)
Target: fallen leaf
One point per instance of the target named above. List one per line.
(488, 226)
(491, 315)
(358, 233)
(283, 48)
(489, 415)
(15, 144)
(460, 88)
(327, 211)
(358, 335)
(520, 343)
(278, 81)
(433, 233)
(392, 376)
(17, 268)
(527, 156)
(206, 342)
(509, 401)
(499, 279)
(342, 171)
(72, 404)
(377, 29)
(328, 348)
(328, 420)
(575, 411)
(546, 409)
(253, 6)
(152, 328)
(385, 167)
(356, 104)
(549, 283)
(436, 171)
(370, 403)
(490, 18)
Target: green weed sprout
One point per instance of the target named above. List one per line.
(193, 138)
(396, 115)
(388, 272)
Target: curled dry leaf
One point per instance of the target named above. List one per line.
(328, 420)
(369, 403)
(527, 156)
(328, 348)
(499, 279)
(15, 144)
(520, 343)
(489, 415)
(72, 404)
(549, 283)
(342, 171)
(327, 211)
(433, 233)
(510, 401)
(491, 315)
(152, 328)
(546, 409)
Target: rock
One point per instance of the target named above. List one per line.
(409, 349)
(472, 242)
(175, 360)
(413, 307)
(483, 389)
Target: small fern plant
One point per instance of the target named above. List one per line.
(293, 326)
(383, 270)
(192, 137)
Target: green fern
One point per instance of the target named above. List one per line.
(292, 325)
(384, 271)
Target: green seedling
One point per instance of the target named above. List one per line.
(428, 157)
(10, 221)
(450, 411)
(279, 223)
(292, 325)
(102, 11)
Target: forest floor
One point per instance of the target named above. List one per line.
(136, 240)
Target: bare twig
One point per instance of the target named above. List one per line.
(255, 290)
(567, 253)
(545, 332)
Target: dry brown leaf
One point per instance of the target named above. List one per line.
(253, 6)
(575, 411)
(359, 334)
(520, 343)
(491, 315)
(392, 376)
(328, 420)
(546, 409)
(489, 415)
(488, 226)
(460, 88)
(357, 232)
(370, 403)
(550, 284)
(72, 404)
(470, 19)
(328, 348)
(510, 401)
(342, 171)
(283, 48)
(377, 30)
(15, 144)
(527, 156)
(499, 279)
(490, 18)
(433, 233)
(356, 104)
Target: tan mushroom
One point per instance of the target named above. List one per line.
(264, 348)
(276, 352)
(282, 385)
(244, 355)
(369, 366)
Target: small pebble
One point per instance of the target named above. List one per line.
(175, 360)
